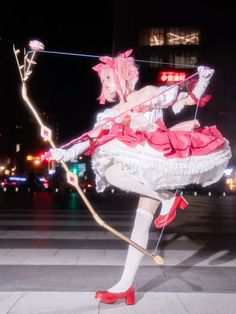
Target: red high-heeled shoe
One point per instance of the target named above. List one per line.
(163, 220)
(112, 297)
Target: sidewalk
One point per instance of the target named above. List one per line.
(85, 303)
(55, 263)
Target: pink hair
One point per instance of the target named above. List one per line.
(125, 74)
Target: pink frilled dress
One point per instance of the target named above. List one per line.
(156, 156)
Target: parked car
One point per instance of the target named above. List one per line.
(16, 182)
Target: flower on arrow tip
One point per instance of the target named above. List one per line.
(36, 45)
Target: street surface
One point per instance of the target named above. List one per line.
(54, 256)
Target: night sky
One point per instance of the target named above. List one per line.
(65, 88)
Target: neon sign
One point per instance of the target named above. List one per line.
(171, 76)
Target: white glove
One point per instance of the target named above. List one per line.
(180, 102)
(205, 75)
(60, 154)
(205, 72)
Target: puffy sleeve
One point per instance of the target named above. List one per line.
(166, 96)
(104, 116)
(180, 102)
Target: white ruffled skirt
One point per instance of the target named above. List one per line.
(151, 168)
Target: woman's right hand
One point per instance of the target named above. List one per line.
(60, 154)
(205, 73)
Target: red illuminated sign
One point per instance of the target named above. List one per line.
(171, 76)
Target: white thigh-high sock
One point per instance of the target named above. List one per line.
(140, 235)
(116, 176)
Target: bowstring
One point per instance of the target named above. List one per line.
(177, 189)
(84, 55)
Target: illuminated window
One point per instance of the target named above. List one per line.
(182, 59)
(157, 37)
(170, 36)
(179, 36)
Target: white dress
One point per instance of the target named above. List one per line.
(149, 166)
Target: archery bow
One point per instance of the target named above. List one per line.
(46, 133)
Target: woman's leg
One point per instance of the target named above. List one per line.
(116, 176)
(140, 234)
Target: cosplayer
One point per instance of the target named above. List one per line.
(136, 152)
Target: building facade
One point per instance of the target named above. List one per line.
(176, 38)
